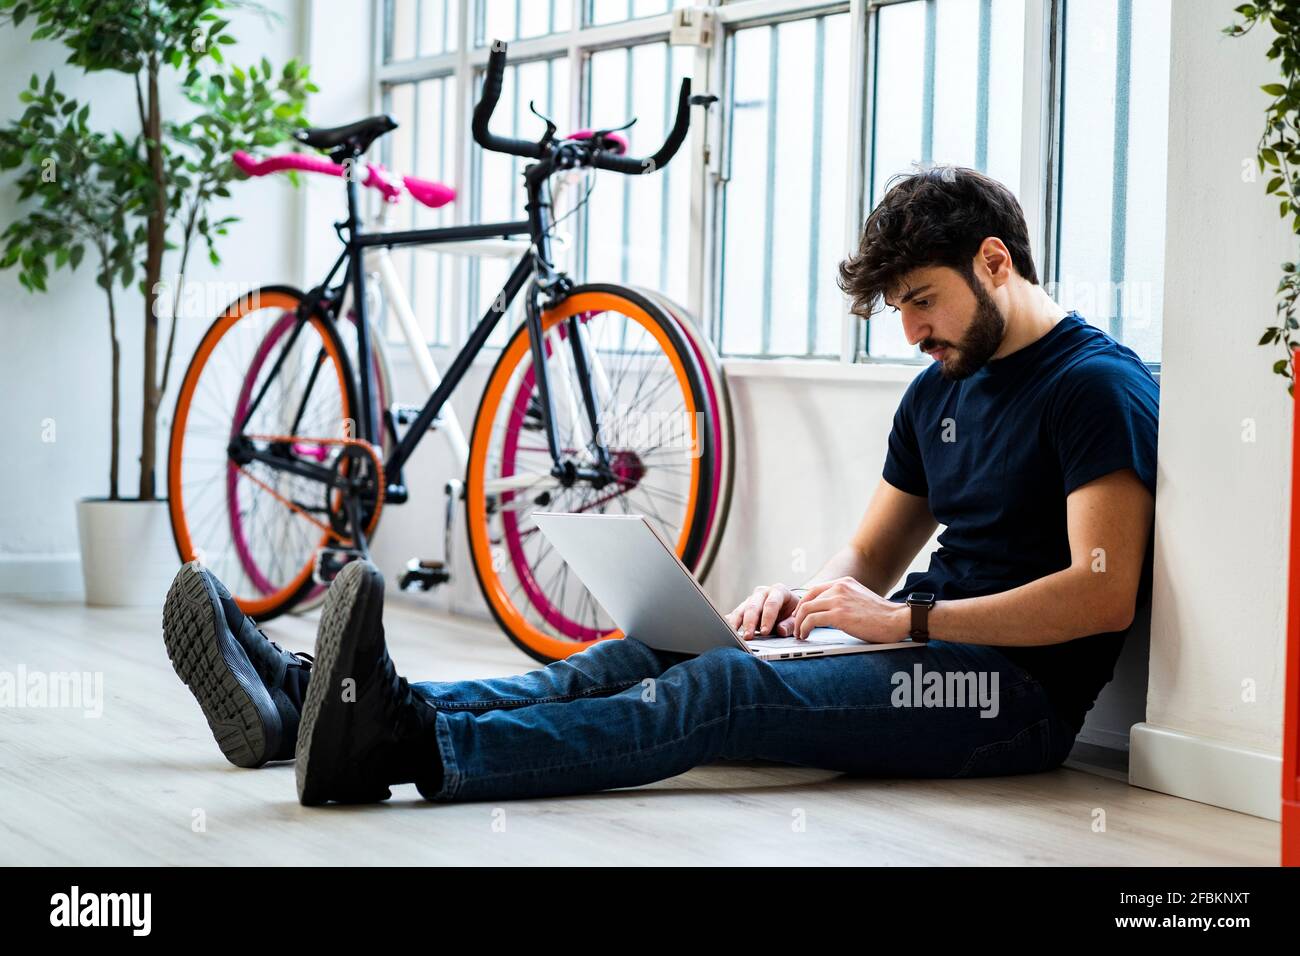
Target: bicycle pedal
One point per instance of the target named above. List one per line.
(423, 574)
(330, 561)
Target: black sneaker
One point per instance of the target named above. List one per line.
(363, 730)
(208, 640)
(284, 673)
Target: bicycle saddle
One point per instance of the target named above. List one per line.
(350, 140)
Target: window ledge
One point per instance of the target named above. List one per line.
(825, 370)
(800, 369)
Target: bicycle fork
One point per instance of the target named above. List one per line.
(563, 468)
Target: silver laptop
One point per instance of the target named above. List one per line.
(639, 580)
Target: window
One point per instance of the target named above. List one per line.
(947, 88)
(423, 145)
(822, 103)
(613, 11)
(636, 228)
(520, 19)
(416, 28)
(498, 188)
(1110, 226)
(784, 198)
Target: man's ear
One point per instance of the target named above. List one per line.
(994, 259)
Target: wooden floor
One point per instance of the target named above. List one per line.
(145, 784)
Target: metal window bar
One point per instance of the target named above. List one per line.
(927, 97)
(982, 86)
(815, 199)
(665, 177)
(720, 236)
(769, 194)
(625, 182)
(1119, 190)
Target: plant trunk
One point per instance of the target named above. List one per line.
(176, 299)
(155, 245)
(116, 401)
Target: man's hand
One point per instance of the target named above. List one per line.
(849, 605)
(765, 613)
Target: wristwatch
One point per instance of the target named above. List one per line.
(920, 602)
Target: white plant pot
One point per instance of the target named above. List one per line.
(128, 555)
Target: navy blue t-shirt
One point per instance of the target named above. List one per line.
(997, 453)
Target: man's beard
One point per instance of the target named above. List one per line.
(981, 340)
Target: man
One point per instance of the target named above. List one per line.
(1032, 438)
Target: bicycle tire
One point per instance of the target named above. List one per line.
(562, 638)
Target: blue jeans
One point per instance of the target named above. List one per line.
(620, 714)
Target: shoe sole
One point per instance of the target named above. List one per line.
(205, 655)
(324, 723)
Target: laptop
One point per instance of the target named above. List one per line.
(639, 580)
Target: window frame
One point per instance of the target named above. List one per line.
(1042, 109)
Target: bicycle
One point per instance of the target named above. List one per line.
(304, 469)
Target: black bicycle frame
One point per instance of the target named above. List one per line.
(535, 262)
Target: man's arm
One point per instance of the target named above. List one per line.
(891, 532)
(1108, 521)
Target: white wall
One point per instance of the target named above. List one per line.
(1219, 605)
(54, 363)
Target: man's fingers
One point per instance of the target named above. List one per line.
(771, 609)
(786, 627)
(816, 619)
(752, 608)
(808, 605)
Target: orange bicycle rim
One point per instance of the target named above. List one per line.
(176, 504)
(476, 504)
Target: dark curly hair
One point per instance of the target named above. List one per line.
(935, 217)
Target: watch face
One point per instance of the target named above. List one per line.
(920, 597)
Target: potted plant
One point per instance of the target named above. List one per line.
(136, 203)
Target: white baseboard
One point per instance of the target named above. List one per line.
(46, 574)
(1205, 770)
